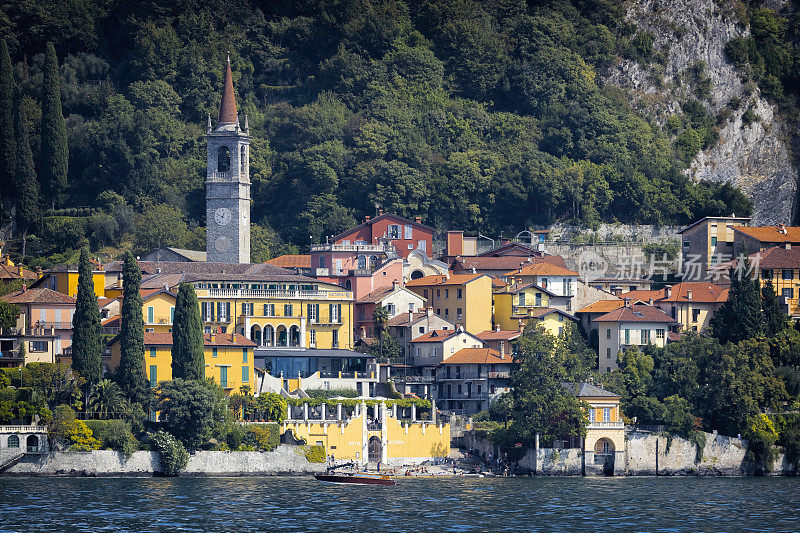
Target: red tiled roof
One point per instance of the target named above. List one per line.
(601, 306)
(507, 262)
(636, 313)
(476, 356)
(112, 321)
(12, 272)
(227, 111)
(402, 318)
(499, 335)
(702, 292)
(453, 279)
(38, 296)
(221, 339)
(541, 269)
(291, 261)
(377, 295)
(771, 233)
(780, 257)
(436, 335)
(541, 312)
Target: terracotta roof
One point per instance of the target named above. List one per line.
(453, 279)
(221, 339)
(673, 336)
(703, 292)
(291, 261)
(519, 287)
(780, 257)
(506, 262)
(643, 294)
(371, 221)
(377, 295)
(148, 293)
(514, 249)
(588, 390)
(771, 233)
(498, 283)
(541, 269)
(541, 312)
(601, 306)
(112, 321)
(499, 335)
(636, 313)
(727, 219)
(436, 335)
(227, 110)
(476, 356)
(401, 319)
(38, 296)
(12, 272)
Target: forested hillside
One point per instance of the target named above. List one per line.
(475, 115)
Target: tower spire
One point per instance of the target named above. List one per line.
(227, 111)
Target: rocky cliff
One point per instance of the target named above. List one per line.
(751, 153)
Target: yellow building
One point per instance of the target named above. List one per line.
(463, 299)
(691, 304)
(515, 301)
(706, 243)
(781, 264)
(371, 434)
(64, 279)
(228, 357)
(158, 310)
(605, 433)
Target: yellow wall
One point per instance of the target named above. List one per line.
(778, 283)
(504, 304)
(230, 356)
(162, 305)
(475, 303)
(684, 314)
(67, 283)
(346, 440)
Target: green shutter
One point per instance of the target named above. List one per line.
(153, 375)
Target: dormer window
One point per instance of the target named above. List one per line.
(223, 159)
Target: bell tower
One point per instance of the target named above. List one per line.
(228, 182)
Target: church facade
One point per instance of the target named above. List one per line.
(228, 183)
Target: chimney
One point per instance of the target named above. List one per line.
(395, 284)
(689, 294)
(460, 328)
(429, 311)
(788, 246)
(366, 218)
(520, 326)
(233, 337)
(650, 301)
(411, 316)
(627, 302)
(21, 270)
(213, 336)
(668, 291)
(380, 212)
(497, 327)
(502, 349)
(418, 220)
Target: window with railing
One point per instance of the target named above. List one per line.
(223, 377)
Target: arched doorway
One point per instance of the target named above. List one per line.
(348, 285)
(255, 334)
(32, 443)
(373, 263)
(374, 451)
(417, 274)
(294, 336)
(268, 336)
(282, 336)
(604, 455)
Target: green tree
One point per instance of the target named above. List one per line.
(188, 361)
(130, 374)
(8, 314)
(54, 152)
(740, 317)
(775, 319)
(8, 154)
(187, 406)
(87, 341)
(105, 397)
(25, 182)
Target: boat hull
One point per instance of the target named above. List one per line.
(356, 479)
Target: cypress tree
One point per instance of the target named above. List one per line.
(28, 213)
(775, 319)
(87, 342)
(54, 152)
(188, 361)
(8, 154)
(130, 375)
(740, 317)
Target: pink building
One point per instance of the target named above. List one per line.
(44, 323)
(400, 233)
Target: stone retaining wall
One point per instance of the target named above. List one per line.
(285, 460)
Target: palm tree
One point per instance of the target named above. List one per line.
(106, 396)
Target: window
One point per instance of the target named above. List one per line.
(287, 310)
(438, 311)
(213, 352)
(686, 244)
(446, 294)
(695, 315)
(312, 338)
(447, 313)
(425, 293)
(152, 352)
(269, 309)
(645, 336)
(538, 299)
(561, 318)
(322, 261)
(150, 314)
(335, 311)
(390, 309)
(788, 293)
(608, 333)
(438, 294)
(561, 330)
(223, 159)
(13, 441)
(207, 310)
(223, 311)
(713, 241)
(408, 234)
(608, 353)
(606, 414)
(207, 329)
(766, 274)
(245, 374)
(313, 313)
(422, 245)
(459, 313)
(38, 346)
(787, 274)
(660, 334)
(153, 375)
(242, 159)
(393, 231)
(521, 298)
(627, 336)
(335, 338)
(223, 377)
(458, 293)
(422, 329)
(244, 356)
(172, 314)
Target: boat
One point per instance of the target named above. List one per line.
(357, 478)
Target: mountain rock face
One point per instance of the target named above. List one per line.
(750, 153)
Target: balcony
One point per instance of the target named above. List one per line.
(274, 294)
(606, 425)
(55, 325)
(505, 374)
(365, 248)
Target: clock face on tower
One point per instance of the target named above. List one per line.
(222, 216)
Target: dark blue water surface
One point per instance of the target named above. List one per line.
(489, 504)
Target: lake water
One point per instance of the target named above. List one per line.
(489, 504)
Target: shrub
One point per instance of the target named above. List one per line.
(332, 393)
(761, 438)
(234, 437)
(273, 406)
(174, 456)
(114, 435)
(263, 438)
(314, 454)
(71, 431)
